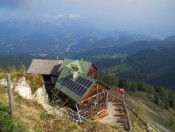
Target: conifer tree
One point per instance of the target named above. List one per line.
(22, 68)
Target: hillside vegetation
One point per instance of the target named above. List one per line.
(30, 116)
(154, 65)
(147, 61)
(159, 118)
(161, 96)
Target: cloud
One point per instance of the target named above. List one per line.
(74, 16)
(133, 15)
(53, 17)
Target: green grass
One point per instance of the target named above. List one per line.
(118, 68)
(28, 114)
(10, 123)
(43, 116)
(139, 95)
(155, 115)
(108, 56)
(35, 81)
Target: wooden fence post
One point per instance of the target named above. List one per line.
(10, 94)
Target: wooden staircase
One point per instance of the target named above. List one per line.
(122, 112)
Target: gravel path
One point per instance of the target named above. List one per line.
(111, 119)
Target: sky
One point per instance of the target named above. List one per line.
(152, 17)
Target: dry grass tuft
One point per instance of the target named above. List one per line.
(31, 113)
(92, 126)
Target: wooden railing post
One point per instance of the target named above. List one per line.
(106, 100)
(10, 94)
(78, 113)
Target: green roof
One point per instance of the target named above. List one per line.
(66, 72)
(83, 66)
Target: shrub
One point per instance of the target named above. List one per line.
(43, 116)
(35, 81)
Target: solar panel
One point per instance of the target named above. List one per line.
(78, 79)
(84, 82)
(68, 82)
(72, 85)
(83, 91)
(77, 86)
(88, 84)
(64, 81)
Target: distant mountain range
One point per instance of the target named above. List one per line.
(154, 65)
(148, 61)
(42, 37)
(130, 48)
(128, 56)
(64, 36)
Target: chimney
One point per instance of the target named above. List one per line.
(74, 71)
(75, 74)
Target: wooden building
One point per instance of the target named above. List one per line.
(77, 83)
(46, 67)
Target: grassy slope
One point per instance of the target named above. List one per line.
(160, 118)
(33, 117)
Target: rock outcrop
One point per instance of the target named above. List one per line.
(3, 82)
(23, 88)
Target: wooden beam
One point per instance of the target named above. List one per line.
(106, 100)
(91, 97)
(10, 94)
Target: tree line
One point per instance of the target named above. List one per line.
(162, 96)
(12, 69)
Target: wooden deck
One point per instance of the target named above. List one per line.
(88, 109)
(118, 114)
(100, 115)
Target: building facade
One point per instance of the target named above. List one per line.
(77, 84)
